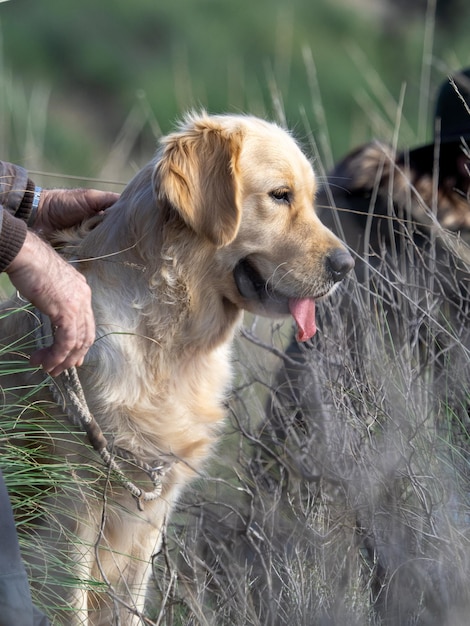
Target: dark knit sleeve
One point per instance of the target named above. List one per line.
(16, 190)
(16, 197)
(12, 236)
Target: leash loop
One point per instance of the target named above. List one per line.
(68, 393)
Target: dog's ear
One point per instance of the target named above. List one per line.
(197, 174)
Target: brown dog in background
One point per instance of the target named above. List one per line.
(221, 221)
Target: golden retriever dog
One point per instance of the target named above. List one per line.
(220, 222)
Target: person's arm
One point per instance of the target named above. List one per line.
(60, 292)
(37, 271)
(56, 208)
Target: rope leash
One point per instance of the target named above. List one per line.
(67, 392)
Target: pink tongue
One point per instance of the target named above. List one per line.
(303, 311)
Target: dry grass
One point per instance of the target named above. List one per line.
(344, 497)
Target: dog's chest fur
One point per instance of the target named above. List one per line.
(174, 405)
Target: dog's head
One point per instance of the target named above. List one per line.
(245, 186)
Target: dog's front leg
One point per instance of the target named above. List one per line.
(123, 564)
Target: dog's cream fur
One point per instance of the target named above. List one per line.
(161, 264)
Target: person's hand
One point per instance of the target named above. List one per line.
(62, 208)
(61, 293)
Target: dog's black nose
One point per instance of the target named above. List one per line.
(339, 263)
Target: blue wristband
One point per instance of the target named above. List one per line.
(34, 206)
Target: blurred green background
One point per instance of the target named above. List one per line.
(87, 87)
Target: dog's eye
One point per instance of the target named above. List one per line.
(281, 195)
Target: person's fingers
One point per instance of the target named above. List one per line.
(97, 200)
(63, 208)
(68, 350)
(53, 363)
(74, 333)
